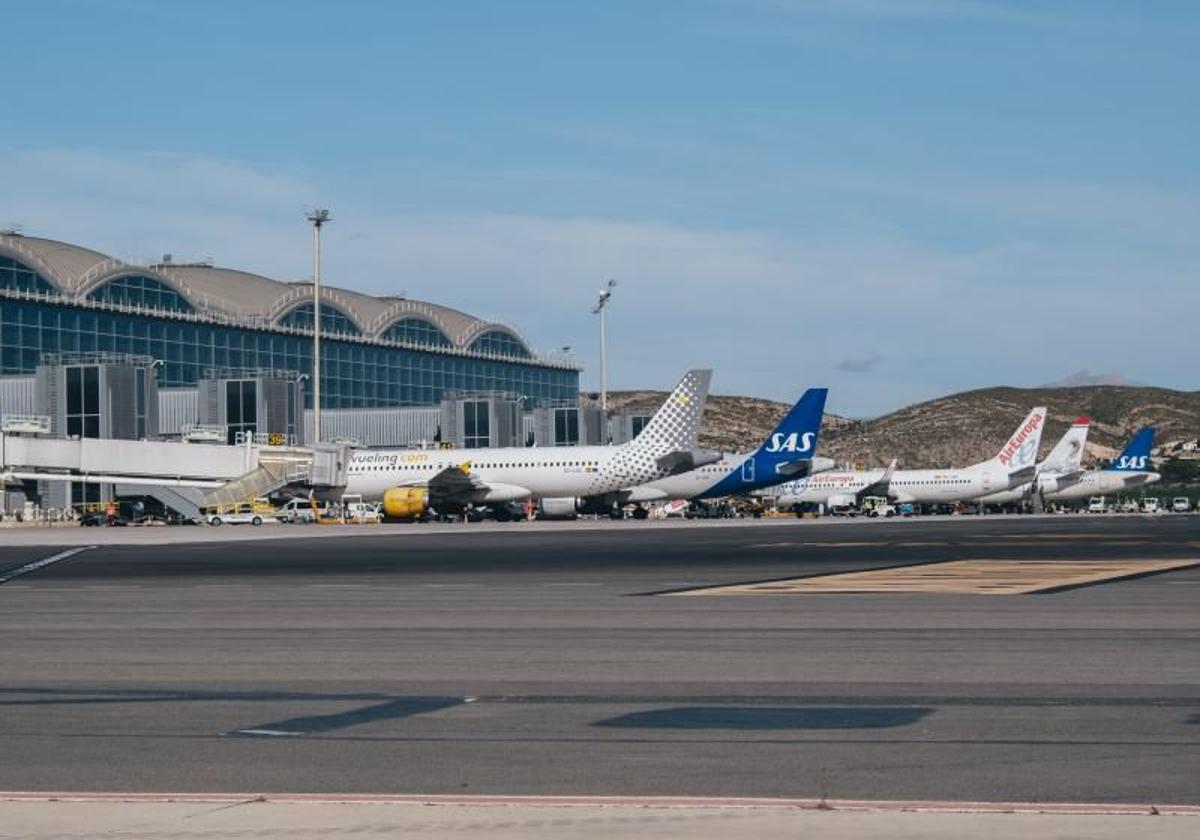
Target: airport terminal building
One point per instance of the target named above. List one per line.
(196, 321)
(96, 347)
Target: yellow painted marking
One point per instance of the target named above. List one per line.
(959, 577)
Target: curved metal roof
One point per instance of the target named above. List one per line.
(240, 296)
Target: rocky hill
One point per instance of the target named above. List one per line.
(956, 430)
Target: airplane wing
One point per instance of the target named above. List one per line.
(455, 484)
(880, 487)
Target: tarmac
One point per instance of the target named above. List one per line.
(548, 660)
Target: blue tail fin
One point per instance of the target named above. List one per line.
(795, 438)
(1136, 455)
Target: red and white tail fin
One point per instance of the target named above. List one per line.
(1019, 454)
(1067, 455)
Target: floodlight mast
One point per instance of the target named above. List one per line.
(318, 216)
(598, 309)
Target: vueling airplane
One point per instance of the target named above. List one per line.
(1062, 468)
(411, 482)
(787, 453)
(1012, 466)
(1128, 470)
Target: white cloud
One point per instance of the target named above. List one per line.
(771, 314)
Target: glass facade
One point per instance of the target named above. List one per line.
(500, 343)
(144, 292)
(17, 277)
(333, 321)
(476, 424)
(416, 331)
(354, 374)
(566, 427)
(241, 408)
(83, 402)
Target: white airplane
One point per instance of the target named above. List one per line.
(1060, 469)
(1012, 466)
(788, 452)
(1127, 471)
(410, 482)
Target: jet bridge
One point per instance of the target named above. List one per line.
(223, 474)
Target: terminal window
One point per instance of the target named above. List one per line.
(83, 402)
(476, 424)
(241, 408)
(566, 427)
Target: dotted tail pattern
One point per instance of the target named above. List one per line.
(673, 428)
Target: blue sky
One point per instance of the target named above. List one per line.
(894, 198)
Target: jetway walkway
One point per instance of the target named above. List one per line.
(192, 474)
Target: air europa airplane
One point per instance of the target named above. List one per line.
(410, 482)
(1061, 469)
(787, 453)
(1012, 466)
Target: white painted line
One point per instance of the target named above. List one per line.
(271, 732)
(44, 562)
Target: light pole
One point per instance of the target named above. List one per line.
(318, 216)
(598, 309)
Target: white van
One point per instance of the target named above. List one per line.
(1151, 505)
(1181, 504)
(1097, 504)
(299, 511)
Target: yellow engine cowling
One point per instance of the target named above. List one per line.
(405, 502)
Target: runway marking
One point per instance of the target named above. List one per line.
(959, 577)
(43, 563)
(662, 802)
(272, 733)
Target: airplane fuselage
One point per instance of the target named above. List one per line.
(510, 474)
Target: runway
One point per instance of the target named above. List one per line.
(539, 661)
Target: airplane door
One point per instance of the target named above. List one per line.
(748, 471)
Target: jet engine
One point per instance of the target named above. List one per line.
(562, 508)
(405, 502)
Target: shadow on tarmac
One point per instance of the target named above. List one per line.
(776, 718)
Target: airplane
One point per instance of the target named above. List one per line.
(1128, 470)
(1059, 470)
(411, 482)
(787, 453)
(1012, 466)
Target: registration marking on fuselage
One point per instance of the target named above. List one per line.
(959, 577)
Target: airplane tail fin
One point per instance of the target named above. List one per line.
(1067, 455)
(674, 428)
(1136, 455)
(1020, 452)
(790, 448)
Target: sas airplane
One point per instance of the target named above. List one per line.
(410, 482)
(787, 453)
(1061, 469)
(1128, 470)
(1012, 466)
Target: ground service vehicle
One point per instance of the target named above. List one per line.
(1151, 505)
(1097, 504)
(1181, 504)
(244, 513)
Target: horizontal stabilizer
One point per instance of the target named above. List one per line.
(685, 460)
